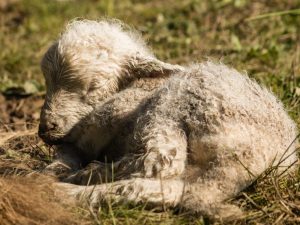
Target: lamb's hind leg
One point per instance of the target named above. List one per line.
(165, 149)
(205, 197)
(210, 190)
(137, 190)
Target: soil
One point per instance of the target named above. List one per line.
(16, 109)
(20, 147)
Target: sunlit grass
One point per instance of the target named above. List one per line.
(261, 37)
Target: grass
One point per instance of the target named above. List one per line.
(261, 37)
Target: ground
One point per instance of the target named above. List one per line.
(260, 37)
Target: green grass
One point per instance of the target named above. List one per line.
(262, 38)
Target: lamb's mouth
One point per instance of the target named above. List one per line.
(51, 139)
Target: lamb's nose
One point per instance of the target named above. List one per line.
(46, 127)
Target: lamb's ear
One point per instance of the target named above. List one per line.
(151, 67)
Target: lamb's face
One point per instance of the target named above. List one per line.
(70, 96)
(90, 62)
(85, 66)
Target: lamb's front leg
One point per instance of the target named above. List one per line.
(163, 153)
(165, 148)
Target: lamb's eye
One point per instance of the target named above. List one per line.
(102, 55)
(91, 89)
(84, 93)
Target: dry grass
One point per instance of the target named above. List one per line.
(273, 198)
(27, 196)
(30, 201)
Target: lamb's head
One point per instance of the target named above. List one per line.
(91, 61)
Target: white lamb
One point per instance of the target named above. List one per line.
(200, 137)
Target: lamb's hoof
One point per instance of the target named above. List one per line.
(58, 170)
(159, 165)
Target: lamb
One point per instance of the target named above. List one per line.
(198, 141)
(193, 140)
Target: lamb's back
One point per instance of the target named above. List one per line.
(227, 113)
